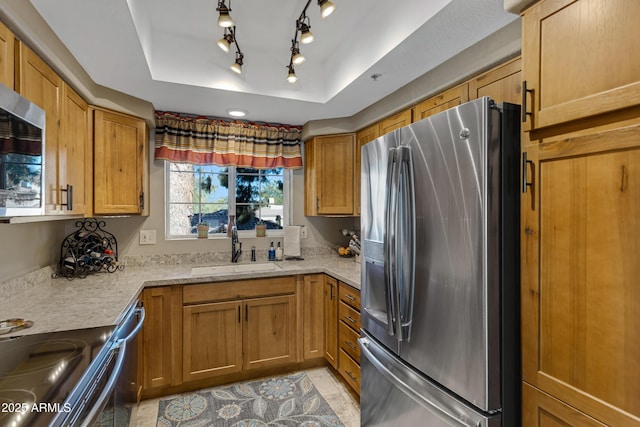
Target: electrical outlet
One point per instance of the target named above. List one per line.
(303, 231)
(147, 237)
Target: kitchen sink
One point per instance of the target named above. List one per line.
(230, 269)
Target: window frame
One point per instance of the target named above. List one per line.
(287, 189)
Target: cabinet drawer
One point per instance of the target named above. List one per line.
(349, 296)
(238, 289)
(350, 370)
(349, 316)
(348, 339)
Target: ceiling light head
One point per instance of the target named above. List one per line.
(237, 112)
(236, 67)
(224, 19)
(292, 78)
(306, 36)
(225, 42)
(296, 56)
(326, 7)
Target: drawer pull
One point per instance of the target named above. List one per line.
(350, 375)
(350, 345)
(349, 297)
(350, 319)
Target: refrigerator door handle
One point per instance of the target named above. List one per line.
(405, 229)
(389, 239)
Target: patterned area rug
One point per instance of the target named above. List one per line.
(290, 400)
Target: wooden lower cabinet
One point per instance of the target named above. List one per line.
(206, 334)
(330, 299)
(269, 333)
(348, 334)
(159, 336)
(212, 340)
(313, 316)
(543, 410)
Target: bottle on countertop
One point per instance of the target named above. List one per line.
(272, 253)
(279, 252)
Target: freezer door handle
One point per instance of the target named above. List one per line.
(381, 362)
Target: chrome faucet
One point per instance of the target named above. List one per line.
(234, 241)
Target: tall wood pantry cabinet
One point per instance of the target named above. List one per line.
(580, 210)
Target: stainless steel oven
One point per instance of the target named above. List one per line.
(107, 392)
(68, 378)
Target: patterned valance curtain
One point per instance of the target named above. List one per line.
(202, 140)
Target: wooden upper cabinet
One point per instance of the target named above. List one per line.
(502, 83)
(580, 59)
(75, 161)
(398, 120)
(362, 137)
(7, 56)
(329, 175)
(37, 82)
(120, 170)
(442, 102)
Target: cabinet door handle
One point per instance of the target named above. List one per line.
(317, 203)
(525, 113)
(525, 162)
(350, 375)
(142, 201)
(331, 293)
(69, 191)
(239, 319)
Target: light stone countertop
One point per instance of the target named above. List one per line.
(100, 299)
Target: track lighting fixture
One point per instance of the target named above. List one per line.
(236, 67)
(303, 26)
(326, 7)
(229, 37)
(224, 19)
(292, 78)
(303, 30)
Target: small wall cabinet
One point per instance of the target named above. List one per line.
(329, 175)
(120, 174)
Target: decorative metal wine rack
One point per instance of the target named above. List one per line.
(90, 249)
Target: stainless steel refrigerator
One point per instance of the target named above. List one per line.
(440, 277)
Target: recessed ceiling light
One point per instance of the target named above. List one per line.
(237, 112)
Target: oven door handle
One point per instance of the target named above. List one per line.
(121, 347)
(140, 311)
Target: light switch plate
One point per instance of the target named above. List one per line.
(147, 237)
(303, 231)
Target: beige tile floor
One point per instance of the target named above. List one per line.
(333, 390)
